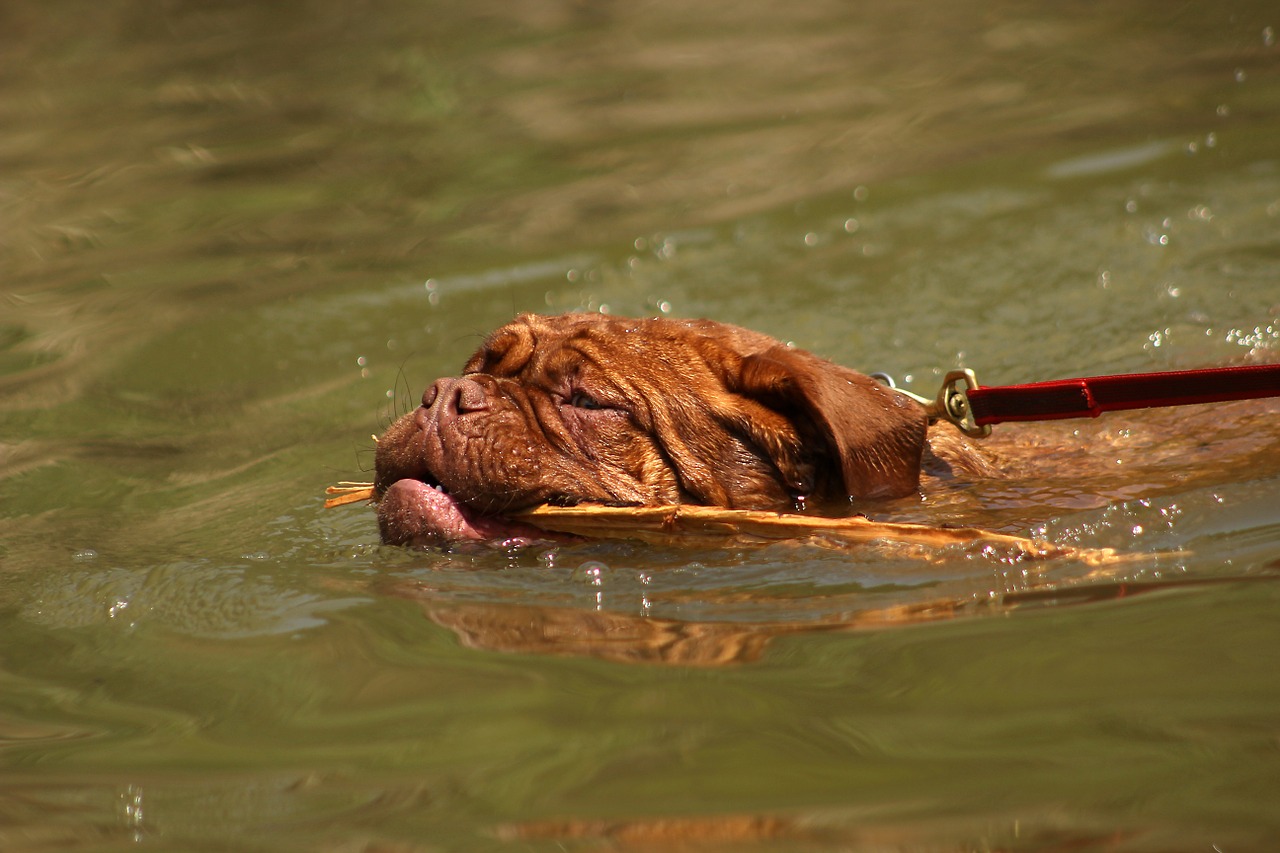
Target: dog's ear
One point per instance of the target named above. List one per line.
(875, 433)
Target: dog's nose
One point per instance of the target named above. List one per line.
(472, 396)
(433, 391)
(459, 395)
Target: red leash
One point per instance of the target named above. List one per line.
(973, 408)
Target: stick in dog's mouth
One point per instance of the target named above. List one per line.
(348, 493)
(691, 523)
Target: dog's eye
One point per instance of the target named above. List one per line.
(582, 400)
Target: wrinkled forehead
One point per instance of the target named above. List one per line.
(534, 344)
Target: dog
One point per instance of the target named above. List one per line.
(590, 408)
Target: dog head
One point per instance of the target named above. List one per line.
(591, 408)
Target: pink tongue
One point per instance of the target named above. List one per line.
(413, 513)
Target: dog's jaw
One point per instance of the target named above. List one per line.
(411, 512)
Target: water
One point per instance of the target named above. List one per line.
(235, 240)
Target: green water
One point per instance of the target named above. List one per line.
(235, 239)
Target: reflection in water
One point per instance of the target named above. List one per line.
(832, 830)
(627, 638)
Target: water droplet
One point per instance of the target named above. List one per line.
(591, 572)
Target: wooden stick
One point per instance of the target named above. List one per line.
(667, 524)
(708, 524)
(348, 493)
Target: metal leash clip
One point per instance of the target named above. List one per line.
(952, 402)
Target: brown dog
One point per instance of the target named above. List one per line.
(591, 408)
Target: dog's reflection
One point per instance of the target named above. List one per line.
(642, 639)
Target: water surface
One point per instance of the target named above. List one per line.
(236, 239)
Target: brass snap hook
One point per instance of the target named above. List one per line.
(952, 403)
